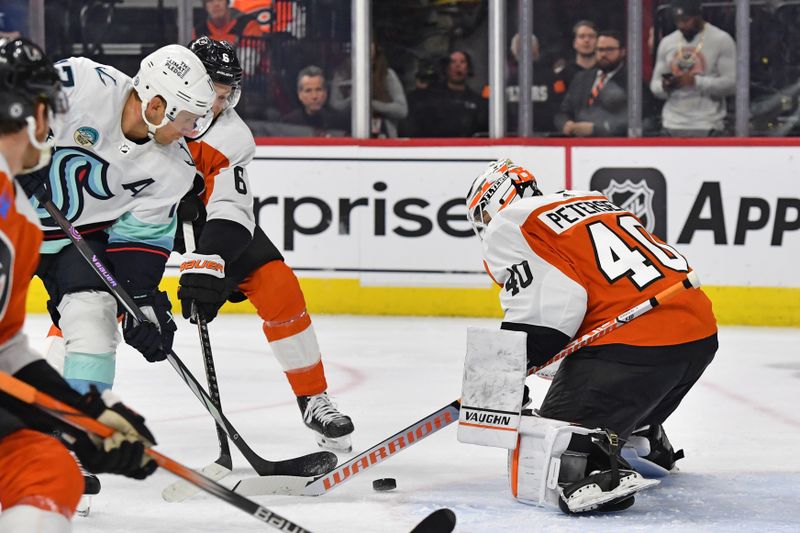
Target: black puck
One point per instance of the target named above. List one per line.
(387, 483)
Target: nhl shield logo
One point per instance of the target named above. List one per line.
(634, 197)
(642, 191)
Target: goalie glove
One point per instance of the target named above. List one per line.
(123, 452)
(202, 285)
(153, 337)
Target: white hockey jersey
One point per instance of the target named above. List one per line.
(222, 156)
(100, 179)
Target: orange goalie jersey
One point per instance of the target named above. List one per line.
(20, 238)
(573, 260)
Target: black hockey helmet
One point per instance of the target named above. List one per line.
(27, 77)
(220, 60)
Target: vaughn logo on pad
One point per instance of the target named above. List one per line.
(488, 419)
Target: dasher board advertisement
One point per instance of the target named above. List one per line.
(391, 217)
(734, 212)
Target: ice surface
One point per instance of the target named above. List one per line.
(740, 428)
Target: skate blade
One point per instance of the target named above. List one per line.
(342, 444)
(84, 506)
(646, 468)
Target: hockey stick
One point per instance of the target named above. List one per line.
(307, 465)
(440, 521)
(180, 490)
(315, 486)
(30, 395)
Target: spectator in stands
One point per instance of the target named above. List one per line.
(596, 103)
(459, 111)
(13, 18)
(422, 101)
(695, 70)
(271, 15)
(226, 24)
(543, 91)
(584, 42)
(312, 91)
(389, 104)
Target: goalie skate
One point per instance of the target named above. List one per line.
(331, 428)
(594, 493)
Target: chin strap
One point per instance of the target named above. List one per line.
(44, 147)
(151, 128)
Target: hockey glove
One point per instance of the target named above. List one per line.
(202, 285)
(34, 185)
(153, 337)
(123, 452)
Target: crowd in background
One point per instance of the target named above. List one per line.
(430, 67)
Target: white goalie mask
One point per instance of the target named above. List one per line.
(175, 74)
(499, 185)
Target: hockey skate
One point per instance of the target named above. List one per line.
(91, 486)
(331, 428)
(599, 492)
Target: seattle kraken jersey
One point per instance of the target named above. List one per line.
(100, 179)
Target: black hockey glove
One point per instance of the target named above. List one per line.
(202, 284)
(123, 452)
(153, 337)
(34, 185)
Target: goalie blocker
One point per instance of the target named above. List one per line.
(492, 390)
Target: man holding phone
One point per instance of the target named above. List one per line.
(695, 71)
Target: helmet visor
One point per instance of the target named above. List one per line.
(191, 125)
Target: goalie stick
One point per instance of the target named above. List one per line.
(316, 486)
(307, 465)
(30, 395)
(223, 465)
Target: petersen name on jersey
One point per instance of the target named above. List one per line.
(572, 260)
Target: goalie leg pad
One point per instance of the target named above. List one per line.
(91, 336)
(492, 389)
(564, 466)
(535, 466)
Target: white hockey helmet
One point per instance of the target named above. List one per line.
(177, 75)
(499, 185)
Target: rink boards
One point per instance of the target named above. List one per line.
(379, 228)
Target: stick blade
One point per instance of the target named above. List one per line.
(313, 464)
(182, 489)
(440, 521)
(264, 485)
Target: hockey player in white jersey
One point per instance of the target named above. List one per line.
(243, 258)
(119, 168)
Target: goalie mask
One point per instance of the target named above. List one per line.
(28, 78)
(175, 74)
(501, 184)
